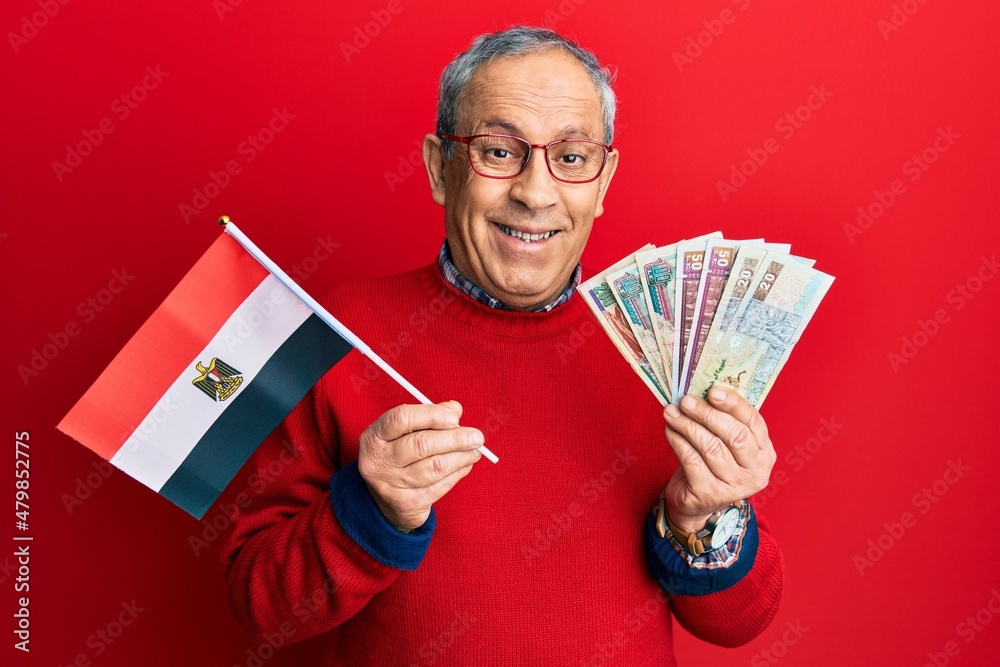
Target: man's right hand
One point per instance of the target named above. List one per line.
(414, 454)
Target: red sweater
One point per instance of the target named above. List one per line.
(537, 560)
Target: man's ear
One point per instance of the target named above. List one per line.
(435, 162)
(604, 182)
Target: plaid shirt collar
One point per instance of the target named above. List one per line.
(455, 277)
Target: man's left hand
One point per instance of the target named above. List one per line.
(724, 452)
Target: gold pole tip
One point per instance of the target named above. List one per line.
(223, 220)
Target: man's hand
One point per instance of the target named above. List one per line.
(414, 454)
(724, 452)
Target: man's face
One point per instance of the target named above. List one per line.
(539, 97)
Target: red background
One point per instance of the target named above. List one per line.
(679, 132)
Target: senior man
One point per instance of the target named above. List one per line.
(367, 541)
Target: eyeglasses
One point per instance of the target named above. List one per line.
(506, 156)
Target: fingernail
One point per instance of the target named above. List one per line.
(688, 402)
(718, 394)
(451, 419)
(672, 411)
(476, 438)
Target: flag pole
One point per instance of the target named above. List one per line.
(231, 229)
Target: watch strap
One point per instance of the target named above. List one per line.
(697, 546)
(696, 543)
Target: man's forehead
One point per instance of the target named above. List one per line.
(564, 131)
(515, 91)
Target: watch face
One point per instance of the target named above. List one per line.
(725, 527)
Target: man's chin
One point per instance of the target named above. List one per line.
(526, 295)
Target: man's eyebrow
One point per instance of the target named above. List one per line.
(565, 132)
(505, 125)
(572, 132)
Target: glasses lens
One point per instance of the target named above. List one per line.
(497, 156)
(574, 161)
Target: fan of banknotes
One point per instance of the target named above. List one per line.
(707, 311)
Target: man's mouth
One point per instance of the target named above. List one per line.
(525, 236)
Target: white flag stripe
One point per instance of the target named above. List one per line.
(250, 336)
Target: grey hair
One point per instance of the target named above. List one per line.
(516, 41)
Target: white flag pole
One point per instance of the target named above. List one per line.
(330, 320)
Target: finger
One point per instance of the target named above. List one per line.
(403, 419)
(454, 406)
(689, 458)
(436, 491)
(428, 443)
(713, 450)
(732, 403)
(736, 435)
(429, 471)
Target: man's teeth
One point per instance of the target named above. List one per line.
(527, 238)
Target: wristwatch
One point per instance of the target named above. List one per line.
(717, 531)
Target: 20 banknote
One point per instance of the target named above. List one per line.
(707, 311)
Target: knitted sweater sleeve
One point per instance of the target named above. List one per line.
(728, 605)
(290, 565)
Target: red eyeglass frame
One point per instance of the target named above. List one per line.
(468, 140)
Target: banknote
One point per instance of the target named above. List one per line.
(690, 259)
(779, 301)
(747, 260)
(784, 357)
(719, 257)
(657, 272)
(627, 289)
(599, 297)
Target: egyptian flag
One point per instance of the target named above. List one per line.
(213, 371)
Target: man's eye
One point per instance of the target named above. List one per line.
(499, 153)
(572, 159)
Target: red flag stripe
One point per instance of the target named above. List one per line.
(159, 351)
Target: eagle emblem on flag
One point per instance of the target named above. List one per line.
(218, 380)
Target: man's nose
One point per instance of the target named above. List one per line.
(535, 187)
